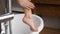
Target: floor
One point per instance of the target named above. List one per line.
(50, 31)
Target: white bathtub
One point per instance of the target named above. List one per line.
(18, 27)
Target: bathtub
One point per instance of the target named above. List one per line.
(18, 27)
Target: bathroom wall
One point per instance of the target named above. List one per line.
(2, 7)
(16, 6)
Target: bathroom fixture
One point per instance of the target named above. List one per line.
(19, 27)
(6, 18)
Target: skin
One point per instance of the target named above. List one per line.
(27, 6)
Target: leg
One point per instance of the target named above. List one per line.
(28, 19)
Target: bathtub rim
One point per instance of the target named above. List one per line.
(40, 28)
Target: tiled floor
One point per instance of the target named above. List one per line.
(50, 31)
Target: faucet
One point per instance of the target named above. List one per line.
(6, 18)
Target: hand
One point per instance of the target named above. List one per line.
(26, 4)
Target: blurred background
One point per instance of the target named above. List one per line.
(49, 10)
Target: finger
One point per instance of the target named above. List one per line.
(27, 7)
(31, 6)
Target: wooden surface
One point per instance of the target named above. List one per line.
(57, 2)
(50, 31)
(47, 10)
(47, 7)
